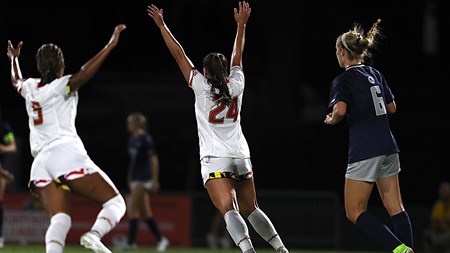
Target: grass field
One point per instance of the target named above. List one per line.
(77, 249)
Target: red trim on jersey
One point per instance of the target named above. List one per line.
(193, 73)
(20, 91)
(40, 85)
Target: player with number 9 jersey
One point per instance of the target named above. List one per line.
(61, 165)
(51, 110)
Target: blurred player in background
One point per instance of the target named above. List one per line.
(224, 153)
(362, 95)
(61, 164)
(143, 178)
(7, 147)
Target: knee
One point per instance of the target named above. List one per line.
(352, 215)
(118, 203)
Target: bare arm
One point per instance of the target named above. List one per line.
(391, 107)
(91, 67)
(241, 16)
(338, 113)
(175, 48)
(13, 55)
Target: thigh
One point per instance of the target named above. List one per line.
(222, 194)
(356, 197)
(389, 190)
(54, 199)
(94, 187)
(136, 199)
(3, 183)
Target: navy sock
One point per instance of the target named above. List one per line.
(132, 230)
(378, 231)
(403, 228)
(151, 223)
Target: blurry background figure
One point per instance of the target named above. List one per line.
(7, 147)
(437, 236)
(143, 178)
(218, 236)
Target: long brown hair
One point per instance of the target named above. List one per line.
(217, 66)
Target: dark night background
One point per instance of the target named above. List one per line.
(289, 61)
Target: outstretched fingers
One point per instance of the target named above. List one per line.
(242, 14)
(156, 14)
(14, 52)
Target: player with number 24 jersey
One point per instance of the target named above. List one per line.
(219, 129)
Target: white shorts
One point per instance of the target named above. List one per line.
(147, 185)
(225, 167)
(67, 160)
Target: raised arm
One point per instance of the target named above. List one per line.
(91, 67)
(13, 54)
(241, 16)
(184, 63)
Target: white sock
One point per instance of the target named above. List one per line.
(113, 210)
(55, 237)
(238, 230)
(264, 227)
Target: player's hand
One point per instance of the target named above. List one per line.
(156, 14)
(328, 119)
(116, 34)
(13, 51)
(241, 16)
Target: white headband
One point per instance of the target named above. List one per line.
(344, 43)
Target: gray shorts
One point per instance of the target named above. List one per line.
(372, 169)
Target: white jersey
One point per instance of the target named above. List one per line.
(219, 126)
(51, 111)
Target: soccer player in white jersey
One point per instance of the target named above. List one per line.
(61, 164)
(224, 154)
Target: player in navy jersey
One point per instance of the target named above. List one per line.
(362, 95)
(224, 153)
(7, 147)
(143, 178)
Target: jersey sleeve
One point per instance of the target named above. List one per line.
(237, 80)
(389, 96)
(338, 92)
(21, 86)
(62, 85)
(149, 145)
(198, 82)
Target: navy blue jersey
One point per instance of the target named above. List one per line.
(140, 148)
(366, 93)
(6, 136)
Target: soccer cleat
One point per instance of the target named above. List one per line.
(162, 245)
(408, 250)
(282, 249)
(91, 241)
